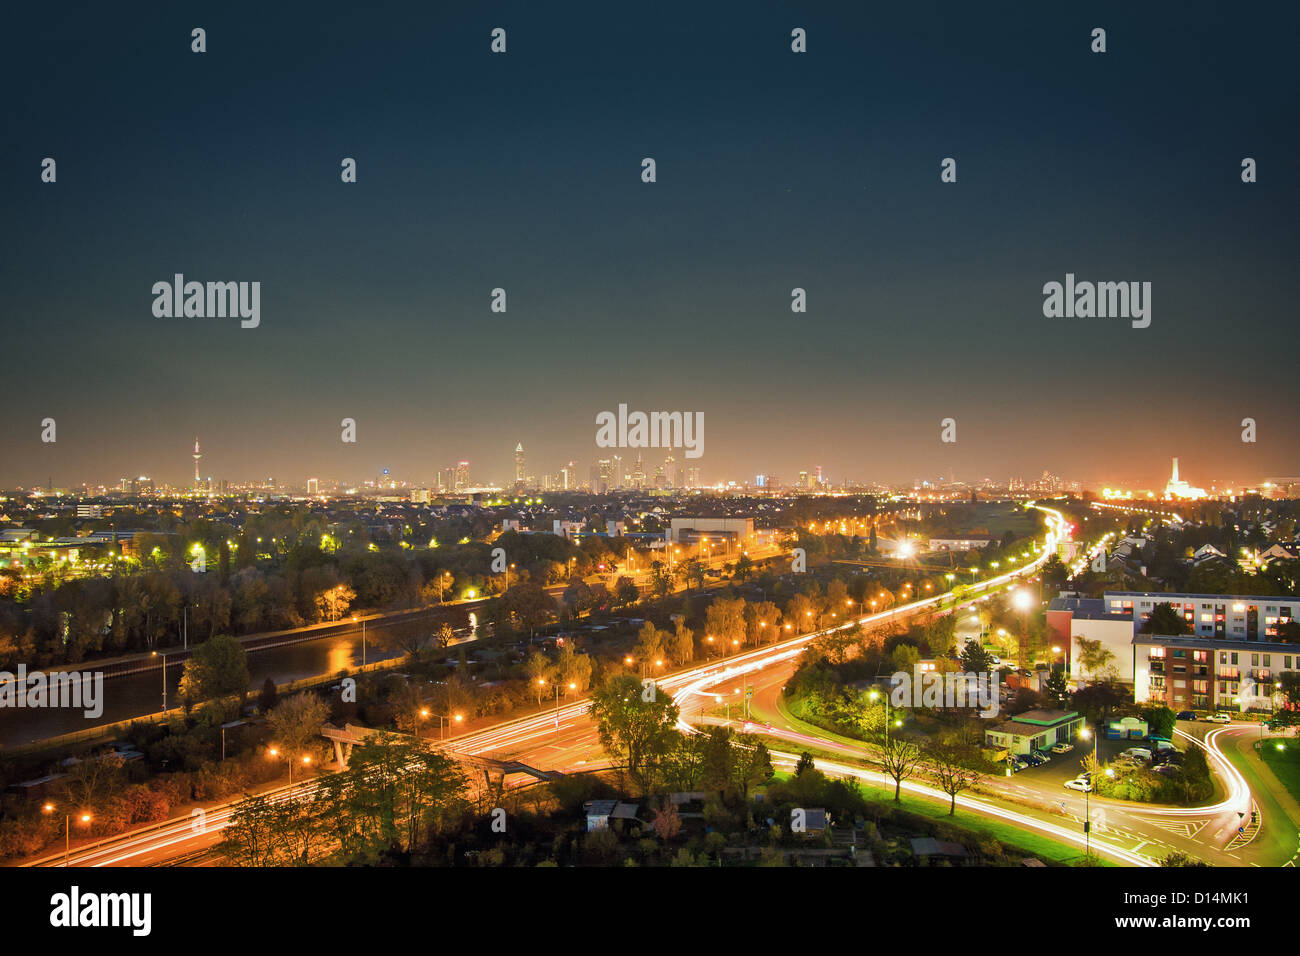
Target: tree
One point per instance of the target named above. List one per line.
(444, 635)
(1093, 656)
(249, 839)
(1165, 619)
(626, 592)
(683, 766)
(393, 793)
(1055, 690)
(92, 781)
(694, 570)
(573, 669)
(530, 605)
(751, 764)
(1055, 573)
(681, 646)
(539, 671)
(577, 596)
(801, 612)
(1160, 721)
(662, 579)
(951, 770)
(905, 658)
(1098, 701)
(834, 645)
(900, 758)
(262, 832)
(762, 621)
(217, 668)
(1288, 683)
(744, 568)
(650, 643)
(266, 700)
(1288, 631)
(805, 764)
(974, 658)
(295, 724)
(725, 622)
(636, 726)
(717, 757)
(333, 602)
(667, 823)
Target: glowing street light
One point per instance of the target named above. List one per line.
(82, 818)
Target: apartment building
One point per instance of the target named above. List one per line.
(1239, 617)
(1190, 673)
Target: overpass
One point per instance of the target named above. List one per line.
(494, 771)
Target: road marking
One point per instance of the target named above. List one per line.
(1188, 830)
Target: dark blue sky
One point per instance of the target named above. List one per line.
(775, 170)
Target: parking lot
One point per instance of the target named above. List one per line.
(1063, 767)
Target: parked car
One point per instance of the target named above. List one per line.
(1033, 759)
(1167, 770)
(1186, 715)
(1046, 757)
(1020, 763)
(1217, 718)
(1063, 747)
(1083, 786)
(1137, 753)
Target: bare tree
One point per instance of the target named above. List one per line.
(950, 770)
(900, 759)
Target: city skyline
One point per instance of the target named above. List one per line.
(775, 172)
(619, 473)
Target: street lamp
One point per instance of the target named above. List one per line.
(274, 752)
(876, 695)
(443, 719)
(1087, 733)
(541, 681)
(363, 637)
(83, 818)
(163, 655)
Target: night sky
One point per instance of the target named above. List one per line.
(775, 170)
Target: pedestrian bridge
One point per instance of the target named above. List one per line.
(494, 771)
